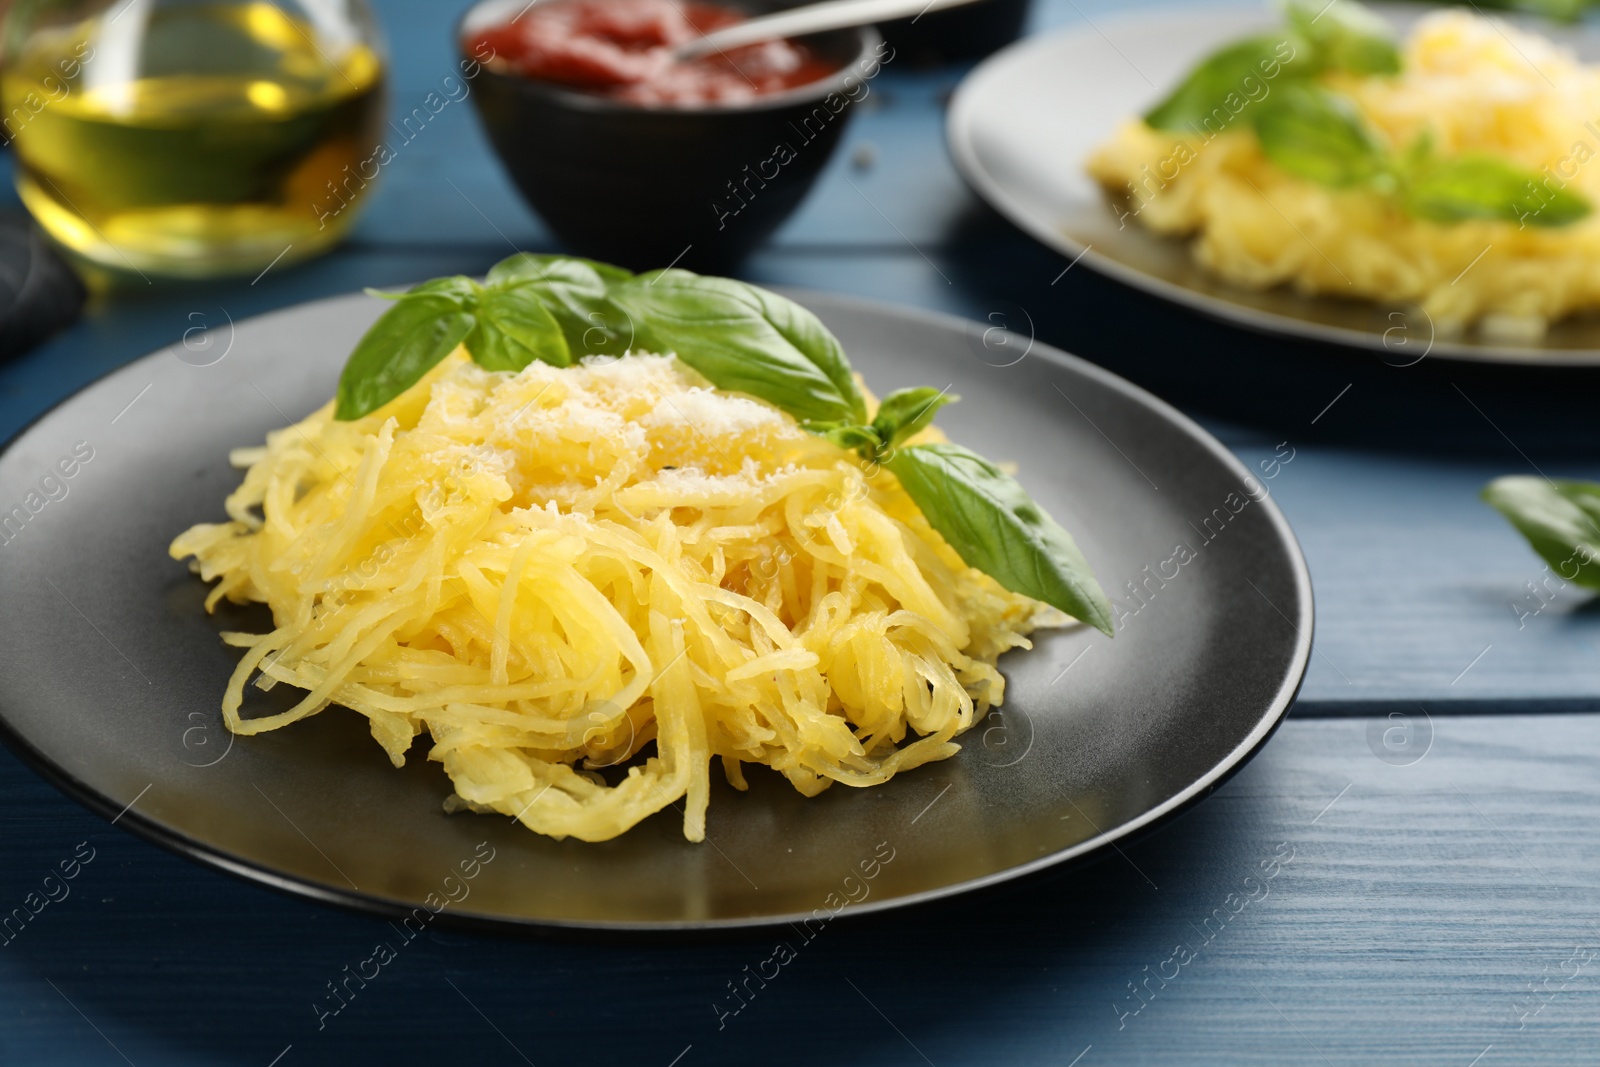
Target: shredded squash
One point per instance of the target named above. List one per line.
(1475, 85)
(586, 583)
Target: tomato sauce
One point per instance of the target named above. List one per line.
(622, 49)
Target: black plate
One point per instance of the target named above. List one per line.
(111, 673)
(1023, 125)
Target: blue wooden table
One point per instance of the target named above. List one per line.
(1433, 902)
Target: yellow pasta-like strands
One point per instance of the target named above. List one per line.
(551, 570)
(1475, 87)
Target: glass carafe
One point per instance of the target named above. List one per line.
(192, 137)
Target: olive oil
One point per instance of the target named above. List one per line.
(207, 144)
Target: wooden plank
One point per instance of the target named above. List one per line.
(1419, 904)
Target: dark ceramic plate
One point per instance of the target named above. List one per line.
(111, 672)
(1023, 124)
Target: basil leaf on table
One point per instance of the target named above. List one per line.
(746, 340)
(1234, 73)
(577, 293)
(514, 329)
(992, 523)
(405, 343)
(1344, 35)
(1560, 519)
(905, 413)
(1481, 187)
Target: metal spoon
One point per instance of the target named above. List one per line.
(812, 18)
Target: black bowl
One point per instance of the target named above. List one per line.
(644, 187)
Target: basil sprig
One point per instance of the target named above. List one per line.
(994, 525)
(1482, 187)
(1316, 134)
(741, 339)
(745, 340)
(1231, 81)
(1560, 519)
(1560, 10)
(1224, 83)
(1319, 135)
(403, 345)
(1268, 84)
(546, 308)
(1344, 35)
(574, 292)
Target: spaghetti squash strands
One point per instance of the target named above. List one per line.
(584, 584)
(1471, 87)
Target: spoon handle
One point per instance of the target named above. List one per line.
(812, 18)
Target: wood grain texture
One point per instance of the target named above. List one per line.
(1419, 903)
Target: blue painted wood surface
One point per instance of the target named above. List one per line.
(1432, 913)
(1420, 904)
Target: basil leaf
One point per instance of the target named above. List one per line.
(1561, 10)
(906, 412)
(1482, 187)
(405, 343)
(850, 436)
(744, 339)
(514, 329)
(1344, 35)
(553, 270)
(575, 291)
(1316, 134)
(1226, 82)
(461, 289)
(996, 527)
(1560, 519)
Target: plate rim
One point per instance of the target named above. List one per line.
(968, 162)
(174, 840)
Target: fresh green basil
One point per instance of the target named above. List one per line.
(1315, 134)
(1319, 36)
(996, 527)
(1481, 187)
(849, 435)
(458, 287)
(745, 340)
(1560, 10)
(514, 329)
(405, 343)
(741, 339)
(1344, 35)
(553, 273)
(577, 292)
(905, 413)
(1225, 83)
(1560, 519)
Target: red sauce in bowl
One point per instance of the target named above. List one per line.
(622, 49)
